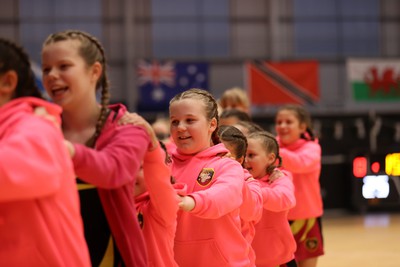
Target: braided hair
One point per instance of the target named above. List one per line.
(304, 117)
(248, 127)
(210, 105)
(91, 51)
(13, 57)
(235, 138)
(270, 145)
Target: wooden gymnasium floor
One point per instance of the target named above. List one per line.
(369, 240)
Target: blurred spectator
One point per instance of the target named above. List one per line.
(248, 127)
(235, 98)
(162, 130)
(233, 116)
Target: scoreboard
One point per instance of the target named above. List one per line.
(376, 180)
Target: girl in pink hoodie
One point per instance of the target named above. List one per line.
(40, 222)
(156, 199)
(208, 231)
(106, 156)
(301, 155)
(252, 206)
(273, 243)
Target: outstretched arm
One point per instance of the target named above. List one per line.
(156, 173)
(136, 119)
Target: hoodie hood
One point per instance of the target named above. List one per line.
(300, 142)
(212, 151)
(17, 107)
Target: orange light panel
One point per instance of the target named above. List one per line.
(360, 167)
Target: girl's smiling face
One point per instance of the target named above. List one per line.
(190, 128)
(66, 76)
(288, 126)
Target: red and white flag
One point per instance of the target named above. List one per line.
(277, 83)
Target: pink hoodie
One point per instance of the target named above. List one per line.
(158, 207)
(303, 160)
(274, 243)
(113, 166)
(210, 234)
(40, 222)
(251, 210)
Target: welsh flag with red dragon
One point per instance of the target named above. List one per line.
(374, 80)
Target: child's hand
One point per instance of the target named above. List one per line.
(228, 155)
(42, 112)
(186, 203)
(70, 148)
(136, 119)
(275, 175)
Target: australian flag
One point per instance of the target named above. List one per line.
(159, 81)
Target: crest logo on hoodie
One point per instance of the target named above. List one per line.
(205, 176)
